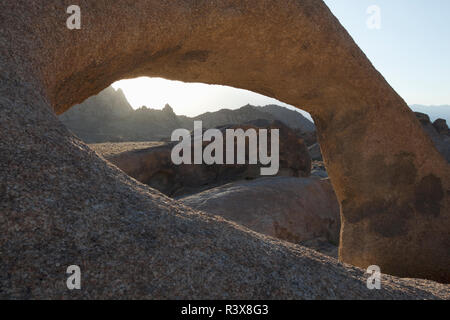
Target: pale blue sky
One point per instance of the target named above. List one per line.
(411, 49)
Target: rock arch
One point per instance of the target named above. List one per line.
(392, 184)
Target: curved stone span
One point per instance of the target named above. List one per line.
(62, 203)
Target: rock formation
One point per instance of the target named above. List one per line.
(441, 127)
(154, 167)
(301, 209)
(62, 205)
(434, 112)
(438, 132)
(108, 117)
(292, 119)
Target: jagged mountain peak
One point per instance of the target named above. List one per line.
(108, 117)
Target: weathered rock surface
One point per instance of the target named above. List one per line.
(154, 166)
(322, 245)
(60, 204)
(287, 208)
(315, 153)
(438, 132)
(318, 169)
(441, 127)
(310, 138)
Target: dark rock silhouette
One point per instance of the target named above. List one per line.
(108, 117)
(292, 119)
(154, 167)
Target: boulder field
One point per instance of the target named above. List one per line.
(154, 166)
(62, 205)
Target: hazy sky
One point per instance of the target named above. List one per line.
(188, 98)
(411, 49)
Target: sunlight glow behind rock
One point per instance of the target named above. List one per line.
(190, 99)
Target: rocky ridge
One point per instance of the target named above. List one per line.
(108, 117)
(439, 133)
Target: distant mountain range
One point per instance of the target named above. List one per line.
(108, 117)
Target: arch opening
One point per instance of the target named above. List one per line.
(119, 114)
